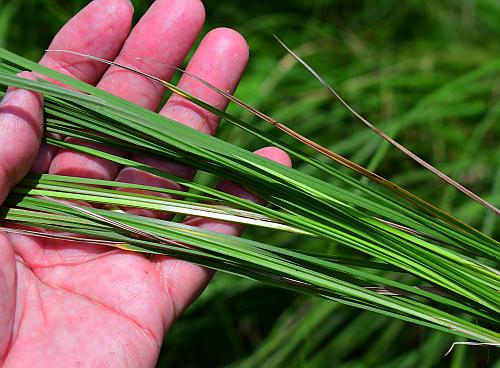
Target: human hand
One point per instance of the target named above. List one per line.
(72, 304)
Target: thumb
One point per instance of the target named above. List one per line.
(7, 292)
(21, 130)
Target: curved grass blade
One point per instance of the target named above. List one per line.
(403, 149)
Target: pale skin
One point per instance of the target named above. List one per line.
(67, 304)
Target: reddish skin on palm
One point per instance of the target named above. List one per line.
(68, 304)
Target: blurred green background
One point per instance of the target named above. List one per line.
(426, 72)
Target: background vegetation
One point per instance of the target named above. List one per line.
(419, 70)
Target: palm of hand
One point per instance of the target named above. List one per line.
(67, 303)
(85, 305)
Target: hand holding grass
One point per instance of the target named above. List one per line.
(66, 303)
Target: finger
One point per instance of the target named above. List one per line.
(184, 280)
(162, 37)
(160, 40)
(107, 20)
(220, 60)
(98, 29)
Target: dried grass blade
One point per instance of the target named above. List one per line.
(403, 149)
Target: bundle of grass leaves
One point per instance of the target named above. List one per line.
(412, 261)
